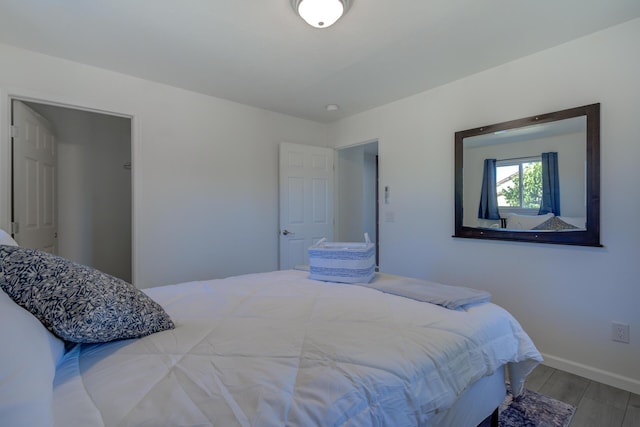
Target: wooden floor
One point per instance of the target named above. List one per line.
(597, 405)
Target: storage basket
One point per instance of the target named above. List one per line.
(344, 262)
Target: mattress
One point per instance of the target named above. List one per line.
(279, 349)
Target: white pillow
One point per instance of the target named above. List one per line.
(28, 362)
(525, 222)
(5, 239)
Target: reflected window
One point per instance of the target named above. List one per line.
(519, 183)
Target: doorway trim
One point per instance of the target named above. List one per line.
(6, 98)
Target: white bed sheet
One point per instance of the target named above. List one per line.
(276, 349)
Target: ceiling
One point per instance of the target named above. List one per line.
(258, 52)
(530, 132)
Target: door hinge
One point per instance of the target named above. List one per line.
(14, 131)
(14, 227)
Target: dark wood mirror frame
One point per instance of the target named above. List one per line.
(588, 237)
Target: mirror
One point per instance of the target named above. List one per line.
(535, 179)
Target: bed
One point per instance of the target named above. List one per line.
(271, 349)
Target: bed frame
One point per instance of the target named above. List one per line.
(478, 405)
(491, 420)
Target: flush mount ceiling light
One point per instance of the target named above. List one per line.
(320, 13)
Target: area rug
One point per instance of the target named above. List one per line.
(532, 409)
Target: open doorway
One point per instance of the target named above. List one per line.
(357, 207)
(92, 186)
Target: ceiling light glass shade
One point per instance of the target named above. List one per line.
(320, 13)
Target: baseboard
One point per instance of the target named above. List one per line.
(594, 374)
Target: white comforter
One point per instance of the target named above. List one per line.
(278, 349)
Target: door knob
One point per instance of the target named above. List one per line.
(286, 232)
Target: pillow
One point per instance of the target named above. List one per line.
(28, 362)
(76, 302)
(525, 222)
(576, 221)
(6, 239)
(556, 224)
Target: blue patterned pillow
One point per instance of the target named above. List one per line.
(78, 303)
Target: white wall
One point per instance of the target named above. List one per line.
(205, 169)
(565, 297)
(94, 190)
(109, 150)
(369, 179)
(355, 210)
(349, 189)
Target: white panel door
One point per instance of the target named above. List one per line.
(34, 180)
(306, 201)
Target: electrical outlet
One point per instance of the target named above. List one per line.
(620, 332)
